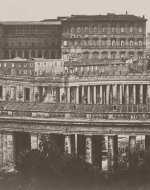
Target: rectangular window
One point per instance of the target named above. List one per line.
(0, 64)
(46, 30)
(26, 31)
(13, 65)
(31, 64)
(104, 42)
(33, 30)
(6, 31)
(39, 72)
(19, 31)
(13, 31)
(44, 64)
(38, 64)
(5, 64)
(19, 64)
(25, 72)
(39, 30)
(25, 64)
(122, 29)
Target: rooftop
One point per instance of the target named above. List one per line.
(109, 16)
(14, 23)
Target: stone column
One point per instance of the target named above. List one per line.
(88, 149)
(107, 94)
(101, 95)
(114, 94)
(132, 141)
(35, 91)
(77, 95)
(148, 93)
(4, 92)
(76, 144)
(120, 89)
(68, 95)
(1, 150)
(4, 148)
(110, 153)
(82, 90)
(44, 91)
(141, 93)
(111, 95)
(10, 149)
(134, 94)
(67, 144)
(94, 94)
(127, 94)
(34, 141)
(88, 95)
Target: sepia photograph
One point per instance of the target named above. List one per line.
(74, 95)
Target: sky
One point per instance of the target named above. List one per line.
(36, 10)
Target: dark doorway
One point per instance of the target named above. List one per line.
(81, 145)
(22, 142)
(1, 92)
(97, 150)
(59, 139)
(27, 94)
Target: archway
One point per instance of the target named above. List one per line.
(13, 54)
(6, 55)
(33, 54)
(39, 54)
(46, 54)
(26, 54)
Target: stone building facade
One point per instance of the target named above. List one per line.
(30, 39)
(104, 37)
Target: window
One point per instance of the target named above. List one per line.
(104, 42)
(122, 29)
(12, 93)
(13, 65)
(25, 64)
(33, 30)
(95, 56)
(25, 72)
(55, 64)
(5, 64)
(113, 29)
(131, 29)
(94, 42)
(72, 30)
(1, 92)
(140, 43)
(122, 43)
(131, 43)
(13, 31)
(19, 31)
(46, 30)
(20, 72)
(95, 29)
(113, 43)
(31, 64)
(19, 64)
(31, 72)
(44, 64)
(104, 29)
(39, 72)
(26, 31)
(86, 56)
(38, 64)
(86, 29)
(140, 29)
(78, 30)
(86, 42)
(0, 64)
(40, 30)
(32, 43)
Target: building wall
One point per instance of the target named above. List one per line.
(90, 39)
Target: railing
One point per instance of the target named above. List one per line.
(90, 112)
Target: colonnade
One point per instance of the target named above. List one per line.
(99, 150)
(108, 94)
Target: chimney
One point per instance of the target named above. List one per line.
(126, 13)
(143, 16)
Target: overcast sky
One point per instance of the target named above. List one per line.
(33, 10)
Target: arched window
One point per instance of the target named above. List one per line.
(95, 56)
(140, 56)
(13, 54)
(131, 29)
(95, 29)
(113, 56)
(113, 43)
(26, 54)
(104, 29)
(46, 54)
(72, 30)
(140, 29)
(94, 42)
(122, 55)
(140, 43)
(78, 30)
(113, 29)
(131, 43)
(6, 55)
(104, 56)
(53, 54)
(19, 54)
(85, 42)
(39, 54)
(86, 56)
(33, 54)
(86, 29)
(122, 43)
(122, 29)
